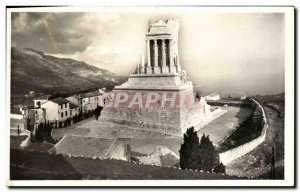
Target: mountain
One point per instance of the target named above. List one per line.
(32, 70)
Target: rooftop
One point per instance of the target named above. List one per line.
(212, 95)
(83, 146)
(43, 97)
(72, 106)
(90, 94)
(60, 100)
(75, 96)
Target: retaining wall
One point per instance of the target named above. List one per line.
(232, 154)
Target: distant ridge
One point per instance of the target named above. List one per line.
(32, 70)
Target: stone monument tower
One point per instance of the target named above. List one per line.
(159, 96)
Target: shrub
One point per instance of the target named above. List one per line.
(220, 168)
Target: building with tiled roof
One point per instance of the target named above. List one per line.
(93, 147)
(60, 100)
(75, 100)
(212, 97)
(91, 100)
(40, 100)
(73, 106)
(90, 94)
(57, 109)
(74, 109)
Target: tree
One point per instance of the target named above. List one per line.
(189, 150)
(97, 111)
(272, 173)
(199, 155)
(32, 140)
(208, 156)
(18, 130)
(39, 133)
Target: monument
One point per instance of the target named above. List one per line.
(158, 96)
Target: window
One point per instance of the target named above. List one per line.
(61, 114)
(66, 105)
(66, 113)
(61, 106)
(71, 112)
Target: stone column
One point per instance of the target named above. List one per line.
(142, 71)
(138, 69)
(178, 67)
(164, 65)
(156, 67)
(171, 57)
(148, 68)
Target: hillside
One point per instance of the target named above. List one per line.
(32, 70)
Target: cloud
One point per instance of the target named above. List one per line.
(230, 51)
(50, 32)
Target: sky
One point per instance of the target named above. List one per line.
(225, 53)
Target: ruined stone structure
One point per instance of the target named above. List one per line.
(161, 74)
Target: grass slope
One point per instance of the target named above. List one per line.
(40, 165)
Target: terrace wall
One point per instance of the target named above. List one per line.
(230, 155)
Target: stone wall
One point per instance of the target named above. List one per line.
(230, 155)
(157, 117)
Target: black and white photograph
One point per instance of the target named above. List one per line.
(150, 96)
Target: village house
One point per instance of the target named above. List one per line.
(75, 104)
(40, 100)
(57, 109)
(32, 116)
(243, 97)
(212, 97)
(91, 100)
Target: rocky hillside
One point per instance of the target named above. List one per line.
(32, 70)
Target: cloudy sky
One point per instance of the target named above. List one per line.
(238, 53)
